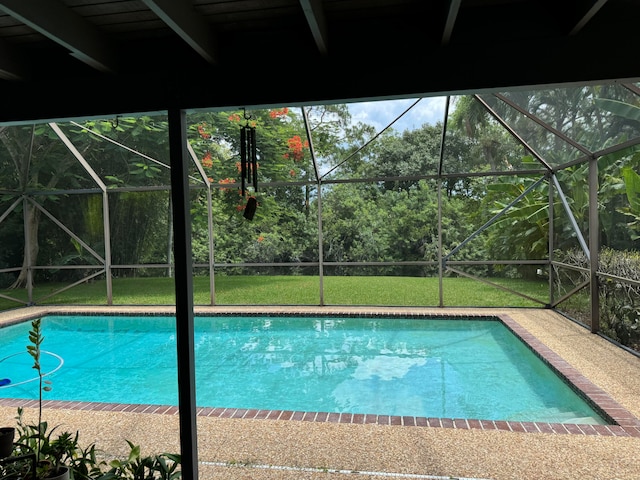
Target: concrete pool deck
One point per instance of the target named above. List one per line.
(252, 445)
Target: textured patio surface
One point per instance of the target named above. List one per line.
(232, 449)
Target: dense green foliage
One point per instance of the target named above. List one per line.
(472, 198)
(393, 219)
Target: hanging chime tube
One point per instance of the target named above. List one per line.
(254, 159)
(249, 136)
(248, 158)
(243, 157)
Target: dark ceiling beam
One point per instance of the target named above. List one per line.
(10, 67)
(589, 8)
(315, 18)
(452, 14)
(553, 63)
(191, 27)
(54, 20)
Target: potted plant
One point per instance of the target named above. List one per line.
(7, 435)
(55, 454)
(52, 450)
(61, 456)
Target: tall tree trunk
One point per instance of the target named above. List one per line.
(21, 149)
(32, 222)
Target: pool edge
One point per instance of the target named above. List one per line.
(630, 430)
(626, 424)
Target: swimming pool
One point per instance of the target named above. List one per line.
(453, 368)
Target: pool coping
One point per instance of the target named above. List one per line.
(626, 424)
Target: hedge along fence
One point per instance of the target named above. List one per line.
(620, 300)
(619, 287)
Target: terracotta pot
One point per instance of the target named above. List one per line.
(6, 441)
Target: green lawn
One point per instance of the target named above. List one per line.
(295, 290)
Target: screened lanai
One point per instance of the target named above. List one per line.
(522, 187)
(510, 191)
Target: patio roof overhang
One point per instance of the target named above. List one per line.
(79, 58)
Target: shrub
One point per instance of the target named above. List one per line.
(619, 295)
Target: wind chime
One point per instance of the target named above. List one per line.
(248, 165)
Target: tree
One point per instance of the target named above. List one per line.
(38, 161)
(396, 220)
(282, 229)
(591, 117)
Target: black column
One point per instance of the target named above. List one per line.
(184, 292)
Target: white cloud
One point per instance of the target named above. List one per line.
(379, 114)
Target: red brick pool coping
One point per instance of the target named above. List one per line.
(406, 421)
(625, 424)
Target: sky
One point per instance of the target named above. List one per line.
(381, 113)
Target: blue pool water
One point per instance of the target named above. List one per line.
(418, 367)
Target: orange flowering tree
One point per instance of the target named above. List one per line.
(283, 156)
(284, 227)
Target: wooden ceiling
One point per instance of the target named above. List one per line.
(77, 58)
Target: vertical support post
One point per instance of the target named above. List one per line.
(551, 242)
(170, 237)
(440, 266)
(594, 245)
(320, 245)
(184, 292)
(107, 246)
(440, 163)
(212, 284)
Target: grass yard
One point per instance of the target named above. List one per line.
(295, 290)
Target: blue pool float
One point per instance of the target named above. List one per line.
(4, 381)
